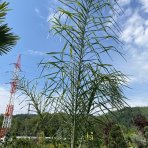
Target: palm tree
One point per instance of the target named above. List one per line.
(7, 38)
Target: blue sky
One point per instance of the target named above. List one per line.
(29, 20)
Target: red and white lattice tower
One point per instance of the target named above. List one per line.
(10, 107)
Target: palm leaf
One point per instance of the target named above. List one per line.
(7, 39)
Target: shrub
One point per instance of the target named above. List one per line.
(116, 138)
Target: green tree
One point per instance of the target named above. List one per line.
(146, 134)
(116, 138)
(7, 38)
(84, 83)
(40, 103)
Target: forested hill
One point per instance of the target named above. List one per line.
(127, 112)
(126, 115)
(24, 124)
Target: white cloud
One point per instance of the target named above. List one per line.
(135, 36)
(52, 15)
(36, 53)
(144, 5)
(138, 101)
(124, 2)
(5, 96)
(136, 66)
(37, 11)
(128, 12)
(136, 30)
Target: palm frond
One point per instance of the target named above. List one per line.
(7, 39)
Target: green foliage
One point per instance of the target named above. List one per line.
(146, 134)
(139, 141)
(146, 131)
(53, 129)
(31, 143)
(24, 124)
(116, 138)
(18, 143)
(87, 84)
(7, 38)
